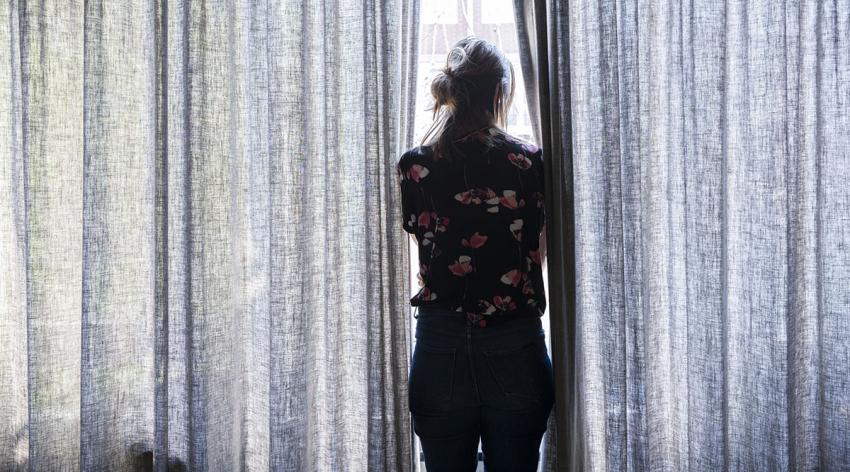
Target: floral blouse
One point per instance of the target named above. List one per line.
(477, 220)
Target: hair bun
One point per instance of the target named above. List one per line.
(475, 86)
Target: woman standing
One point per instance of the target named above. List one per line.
(472, 196)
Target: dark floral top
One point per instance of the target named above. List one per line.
(477, 221)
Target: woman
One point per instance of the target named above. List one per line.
(472, 196)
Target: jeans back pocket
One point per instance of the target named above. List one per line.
(431, 379)
(522, 372)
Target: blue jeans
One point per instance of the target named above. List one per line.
(468, 382)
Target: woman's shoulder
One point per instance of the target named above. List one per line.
(491, 138)
(518, 145)
(414, 155)
(497, 138)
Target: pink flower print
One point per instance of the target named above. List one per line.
(461, 266)
(475, 195)
(512, 277)
(486, 307)
(420, 276)
(425, 219)
(442, 222)
(519, 160)
(508, 200)
(516, 229)
(504, 303)
(417, 172)
(475, 241)
(464, 197)
(427, 294)
(427, 237)
(527, 288)
(479, 194)
(493, 200)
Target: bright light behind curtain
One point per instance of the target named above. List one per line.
(710, 169)
(199, 252)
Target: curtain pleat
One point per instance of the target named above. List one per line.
(709, 162)
(543, 31)
(200, 265)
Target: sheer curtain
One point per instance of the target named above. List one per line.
(708, 159)
(199, 262)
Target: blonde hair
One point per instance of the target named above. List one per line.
(469, 91)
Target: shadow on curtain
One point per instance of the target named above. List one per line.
(705, 146)
(198, 262)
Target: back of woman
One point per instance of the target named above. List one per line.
(477, 220)
(472, 196)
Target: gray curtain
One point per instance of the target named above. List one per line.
(534, 53)
(709, 158)
(543, 36)
(200, 261)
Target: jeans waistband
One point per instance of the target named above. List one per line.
(447, 322)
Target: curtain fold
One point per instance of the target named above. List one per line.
(543, 31)
(709, 166)
(199, 268)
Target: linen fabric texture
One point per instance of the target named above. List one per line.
(200, 261)
(707, 154)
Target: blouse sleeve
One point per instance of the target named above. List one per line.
(408, 197)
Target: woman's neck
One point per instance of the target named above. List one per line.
(459, 132)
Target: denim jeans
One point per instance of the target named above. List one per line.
(468, 382)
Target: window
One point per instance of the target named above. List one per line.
(439, 12)
(442, 23)
(498, 12)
